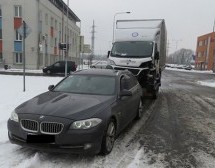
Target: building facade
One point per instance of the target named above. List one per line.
(205, 52)
(47, 27)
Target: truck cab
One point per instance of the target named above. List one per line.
(140, 47)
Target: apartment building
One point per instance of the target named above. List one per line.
(47, 22)
(205, 52)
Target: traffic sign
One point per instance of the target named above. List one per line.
(21, 30)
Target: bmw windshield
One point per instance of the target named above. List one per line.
(87, 84)
(136, 49)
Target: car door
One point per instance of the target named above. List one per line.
(136, 94)
(56, 67)
(62, 67)
(123, 103)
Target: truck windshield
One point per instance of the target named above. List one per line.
(132, 49)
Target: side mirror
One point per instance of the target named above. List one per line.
(51, 87)
(157, 55)
(124, 93)
(108, 54)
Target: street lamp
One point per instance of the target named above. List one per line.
(67, 40)
(115, 19)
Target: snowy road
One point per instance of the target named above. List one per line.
(177, 130)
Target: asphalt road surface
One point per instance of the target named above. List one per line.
(181, 127)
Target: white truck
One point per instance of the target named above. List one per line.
(140, 47)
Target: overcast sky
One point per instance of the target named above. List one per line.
(185, 19)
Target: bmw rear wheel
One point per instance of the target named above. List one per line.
(139, 110)
(109, 138)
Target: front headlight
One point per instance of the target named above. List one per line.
(14, 116)
(110, 62)
(86, 124)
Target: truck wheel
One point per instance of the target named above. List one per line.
(155, 93)
(108, 138)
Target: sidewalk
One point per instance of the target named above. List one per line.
(27, 72)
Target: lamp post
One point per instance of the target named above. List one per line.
(67, 40)
(114, 18)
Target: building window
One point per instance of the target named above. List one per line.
(0, 12)
(206, 42)
(200, 43)
(51, 41)
(18, 58)
(55, 24)
(46, 19)
(18, 11)
(52, 21)
(0, 34)
(40, 15)
(1, 57)
(199, 54)
(55, 42)
(59, 26)
(18, 36)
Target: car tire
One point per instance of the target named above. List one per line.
(139, 110)
(155, 93)
(49, 72)
(108, 138)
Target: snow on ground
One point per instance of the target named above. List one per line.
(210, 83)
(192, 70)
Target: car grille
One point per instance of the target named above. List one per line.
(51, 128)
(30, 125)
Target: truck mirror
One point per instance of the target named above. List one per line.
(108, 54)
(157, 55)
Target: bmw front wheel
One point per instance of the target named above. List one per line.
(109, 138)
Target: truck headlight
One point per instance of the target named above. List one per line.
(14, 116)
(86, 124)
(110, 62)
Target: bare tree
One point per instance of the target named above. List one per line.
(182, 56)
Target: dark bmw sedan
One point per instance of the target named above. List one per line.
(83, 113)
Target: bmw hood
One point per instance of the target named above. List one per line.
(65, 105)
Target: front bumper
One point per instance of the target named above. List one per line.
(68, 141)
(134, 70)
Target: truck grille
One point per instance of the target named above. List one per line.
(133, 71)
(30, 125)
(51, 128)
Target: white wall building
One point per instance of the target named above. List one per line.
(47, 20)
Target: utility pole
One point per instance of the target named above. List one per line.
(176, 43)
(214, 26)
(24, 33)
(92, 42)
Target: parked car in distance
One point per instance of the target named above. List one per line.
(188, 68)
(83, 113)
(99, 64)
(59, 67)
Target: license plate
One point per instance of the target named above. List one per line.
(40, 138)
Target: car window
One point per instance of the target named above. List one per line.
(88, 84)
(57, 64)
